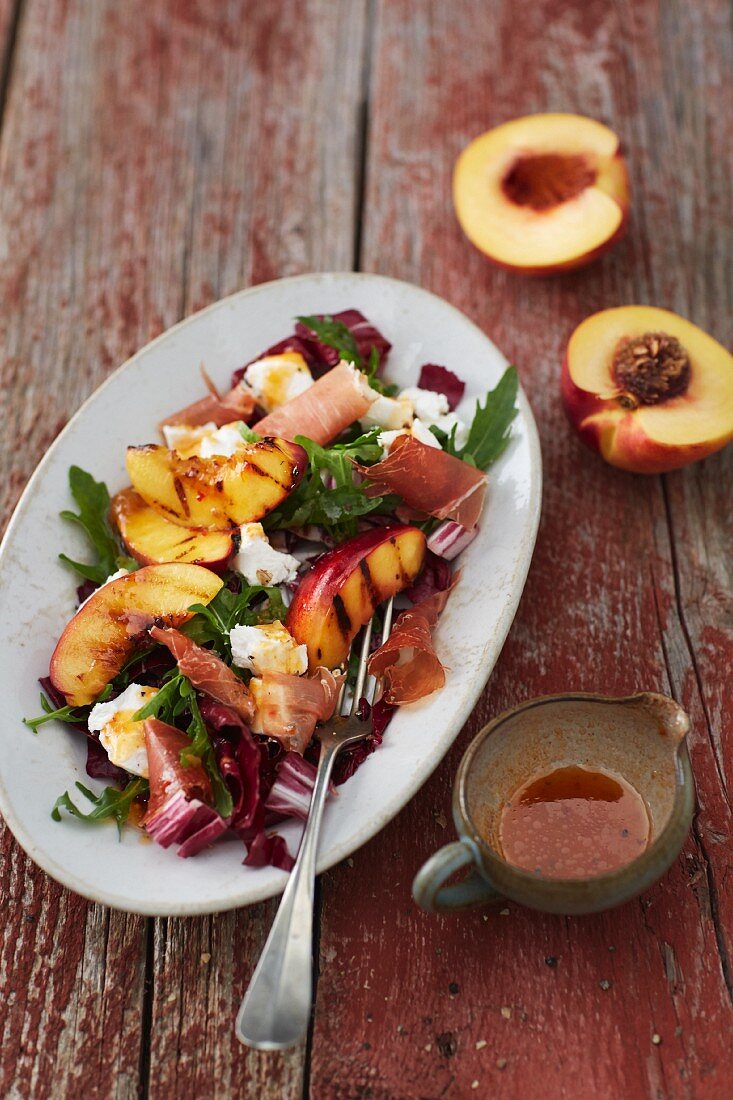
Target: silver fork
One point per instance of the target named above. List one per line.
(275, 1011)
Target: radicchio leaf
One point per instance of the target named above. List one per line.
(99, 765)
(188, 822)
(291, 792)
(435, 576)
(247, 769)
(441, 380)
(269, 849)
(319, 356)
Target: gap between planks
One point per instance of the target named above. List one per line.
(9, 24)
(725, 962)
(361, 160)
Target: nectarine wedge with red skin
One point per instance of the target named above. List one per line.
(544, 193)
(115, 619)
(341, 592)
(647, 389)
(220, 492)
(153, 540)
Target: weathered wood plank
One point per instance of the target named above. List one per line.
(410, 1005)
(71, 976)
(154, 157)
(72, 973)
(115, 119)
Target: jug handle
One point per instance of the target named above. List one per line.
(430, 892)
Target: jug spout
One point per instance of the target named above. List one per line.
(671, 720)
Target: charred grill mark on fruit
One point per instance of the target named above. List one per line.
(402, 574)
(342, 616)
(369, 582)
(255, 469)
(181, 494)
(166, 508)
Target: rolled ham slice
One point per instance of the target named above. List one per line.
(167, 775)
(322, 411)
(407, 662)
(430, 481)
(235, 405)
(288, 707)
(207, 672)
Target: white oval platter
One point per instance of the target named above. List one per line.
(37, 592)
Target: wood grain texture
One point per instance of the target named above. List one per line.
(157, 155)
(71, 976)
(154, 157)
(628, 577)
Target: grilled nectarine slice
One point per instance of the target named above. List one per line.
(648, 389)
(220, 492)
(340, 593)
(105, 631)
(152, 540)
(542, 194)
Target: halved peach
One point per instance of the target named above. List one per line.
(152, 540)
(544, 193)
(648, 389)
(345, 586)
(106, 630)
(220, 492)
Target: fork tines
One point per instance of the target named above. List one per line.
(361, 688)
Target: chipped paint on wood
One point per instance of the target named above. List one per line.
(159, 154)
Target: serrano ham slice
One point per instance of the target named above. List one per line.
(167, 775)
(206, 671)
(322, 411)
(407, 662)
(288, 707)
(429, 480)
(235, 405)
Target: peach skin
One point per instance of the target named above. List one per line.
(345, 586)
(105, 632)
(647, 389)
(152, 539)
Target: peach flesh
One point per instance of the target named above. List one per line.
(542, 194)
(648, 389)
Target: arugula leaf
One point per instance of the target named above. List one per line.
(388, 389)
(92, 499)
(446, 440)
(335, 334)
(489, 434)
(167, 704)
(338, 507)
(71, 715)
(247, 433)
(110, 803)
(202, 749)
(254, 604)
(177, 697)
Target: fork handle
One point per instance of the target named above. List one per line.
(276, 1008)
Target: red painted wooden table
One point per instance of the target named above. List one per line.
(158, 154)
